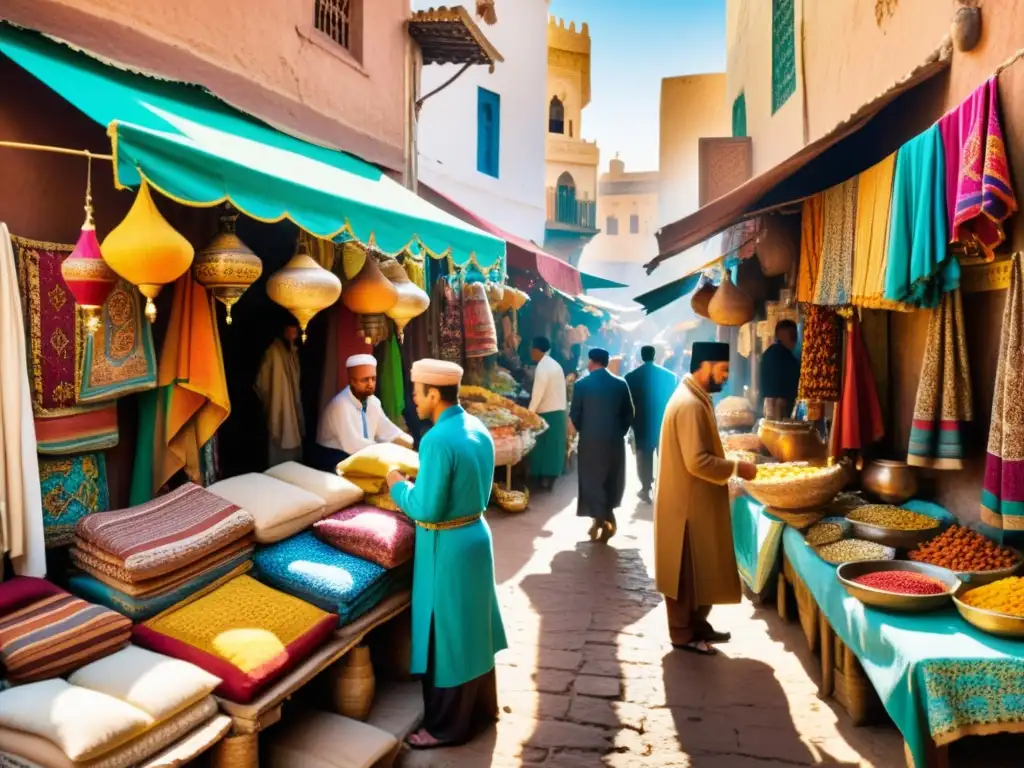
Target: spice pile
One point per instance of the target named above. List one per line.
(901, 583)
(853, 551)
(1003, 596)
(824, 532)
(894, 518)
(961, 549)
(819, 362)
(514, 428)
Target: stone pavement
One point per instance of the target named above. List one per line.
(591, 680)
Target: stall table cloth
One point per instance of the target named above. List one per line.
(757, 541)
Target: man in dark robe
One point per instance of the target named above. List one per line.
(780, 372)
(651, 387)
(602, 412)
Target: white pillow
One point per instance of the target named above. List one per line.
(336, 491)
(270, 501)
(83, 723)
(158, 685)
(326, 740)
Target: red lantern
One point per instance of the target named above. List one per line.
(85, 272)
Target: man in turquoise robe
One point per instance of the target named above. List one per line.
(456, 621)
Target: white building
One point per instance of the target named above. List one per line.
(481, 140)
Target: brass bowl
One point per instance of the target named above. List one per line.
(890, 601)
(893, 537)
(1001, 624)
(792, 440)
(892, 482)
(981, 578)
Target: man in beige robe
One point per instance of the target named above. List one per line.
(277, 386)
(694, 561)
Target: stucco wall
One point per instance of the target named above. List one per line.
(692, 107)
(448, 123)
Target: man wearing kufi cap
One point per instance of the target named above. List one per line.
(355, 418)
(694, 562)
(456, 622)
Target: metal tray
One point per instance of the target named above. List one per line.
(890, 601)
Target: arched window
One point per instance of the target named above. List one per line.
(565, 199)
(556, 116)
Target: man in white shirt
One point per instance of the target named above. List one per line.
(548, 400)
(355, 419)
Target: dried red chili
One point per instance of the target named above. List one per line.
(902, 583)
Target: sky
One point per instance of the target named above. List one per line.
(634, 44)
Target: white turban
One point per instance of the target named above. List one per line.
(357, 360)
(436, 373)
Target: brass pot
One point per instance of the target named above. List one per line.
(892, 482)
(788, 440)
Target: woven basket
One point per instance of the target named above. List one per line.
(511, 501)
(353, 685)
(800, 493)
(806, 609)
(797, 518)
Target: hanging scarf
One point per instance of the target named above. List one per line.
(871, 237)
(944, 403)
(839, 217)
(392, 386)
(858, 422)
(811, 234)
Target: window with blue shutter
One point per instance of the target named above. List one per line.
(488, 131)
(783, 52)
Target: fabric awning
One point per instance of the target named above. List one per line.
(664, 295)
(199, 151)
(854, 145)
(594, 282)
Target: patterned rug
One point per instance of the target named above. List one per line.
(72, 487)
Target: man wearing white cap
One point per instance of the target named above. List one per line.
(355, 419)
(456, 622)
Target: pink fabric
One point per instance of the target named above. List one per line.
(24, 590)
(382, 537)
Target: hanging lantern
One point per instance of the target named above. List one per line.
(303, 287)
(87, 275)
(147, 251)
(412, 301)
(369, 293)
(226, 267)
(374, 328)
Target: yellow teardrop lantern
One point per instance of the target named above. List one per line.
(227, 267)
(303, 287)
(412, 301)
(147, 251)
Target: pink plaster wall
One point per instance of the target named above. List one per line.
(262, 56)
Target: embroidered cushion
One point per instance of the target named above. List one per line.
(270, 501)
(378, 460)
(244, 632)
(382, 537)
(337, 492)
(158, 685)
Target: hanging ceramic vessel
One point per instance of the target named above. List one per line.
(374, 328)
(89, 278)
(412, 302)
(730, 306)
(226, 267)
(702, 297)
(303, 287)
(369, 293)
(147, 251)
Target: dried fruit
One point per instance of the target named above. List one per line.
(961, 549)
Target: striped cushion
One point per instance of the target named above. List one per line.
(56, 635)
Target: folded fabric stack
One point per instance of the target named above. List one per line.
(369, 469)
(142, 559)
(46, 632)
(244, 632)
(336, 581)
(112, 713)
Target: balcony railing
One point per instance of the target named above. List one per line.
(564, 208)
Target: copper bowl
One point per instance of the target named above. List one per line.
(893, 601)
(892, 482)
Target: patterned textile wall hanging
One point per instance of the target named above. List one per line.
(73, 487)
(56, 336)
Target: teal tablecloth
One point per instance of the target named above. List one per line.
(937, 675)
(757, 542)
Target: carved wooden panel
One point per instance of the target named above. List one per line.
(725, 163)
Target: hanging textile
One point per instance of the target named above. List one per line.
(21, 517)
(819, 360)
(450, 339)
(479, 331)
(191, 402)
(1002, 495)
(118, 358)
(392, 385)
(871, 236)
(56, 338)
(72, 488)
(811, 237)
(277, 386)
(839, 218)
(919, 265)
(858, 420)
(979, 191)
(944, 403)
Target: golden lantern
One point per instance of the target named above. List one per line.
(147, 251)
(226, 267)
(412, 300)
(374, 328)
(369, 292)
(303, 287)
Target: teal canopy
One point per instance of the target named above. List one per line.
(593, 282)
(197, 150)
(664, 295)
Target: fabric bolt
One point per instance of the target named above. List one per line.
(919, 266)
(945, 402)
(871, 237)
(72, 488)
(21, 519)
(376, 535)
(1002, 493)
(118, 358)
(55, 340)
(547, 460)
(757, 543)
(57, 634)
(811, 241)
(277, 386)
(166, 534)
(979, 190)
(245, 633)
(191, 400)
(839, 221)
(858, 422)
